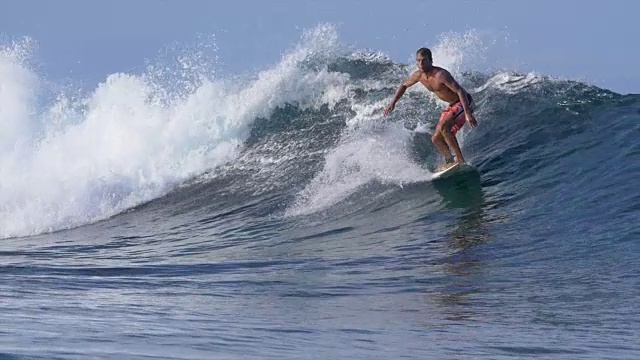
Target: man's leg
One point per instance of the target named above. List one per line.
(441, 145)
(450, 139)
(439, 139)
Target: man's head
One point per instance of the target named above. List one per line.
(424, 59)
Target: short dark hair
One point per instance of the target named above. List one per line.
(425, 52)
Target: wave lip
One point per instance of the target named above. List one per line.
(75, 159)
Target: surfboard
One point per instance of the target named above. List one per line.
(454, 170)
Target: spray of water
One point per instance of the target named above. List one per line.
(77, 160)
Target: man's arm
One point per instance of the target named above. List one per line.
(409, 82)
(452, 84)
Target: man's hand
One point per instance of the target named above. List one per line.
(389, 109)
(471, 120)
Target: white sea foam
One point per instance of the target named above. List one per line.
(134, 137)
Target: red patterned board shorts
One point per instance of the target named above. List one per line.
(456, 111)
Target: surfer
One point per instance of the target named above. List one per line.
(444, 86)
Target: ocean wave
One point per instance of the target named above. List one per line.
(311, 124)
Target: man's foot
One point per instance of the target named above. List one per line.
(448, 162)
(444, 166)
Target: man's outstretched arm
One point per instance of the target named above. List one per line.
(412, 80)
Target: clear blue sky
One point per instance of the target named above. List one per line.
(87, 40)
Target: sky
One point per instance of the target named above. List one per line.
(85, 40)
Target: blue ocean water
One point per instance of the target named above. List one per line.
(153, 218)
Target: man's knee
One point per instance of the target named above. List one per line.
(444, 130)
(437, 136)
(445, 126)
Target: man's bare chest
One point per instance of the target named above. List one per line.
(432, 84)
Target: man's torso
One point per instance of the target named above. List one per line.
(433, 82)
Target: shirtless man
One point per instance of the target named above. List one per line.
(440, 82)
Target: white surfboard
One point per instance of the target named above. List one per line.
(454, 170)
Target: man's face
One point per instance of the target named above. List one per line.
(423, 62)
